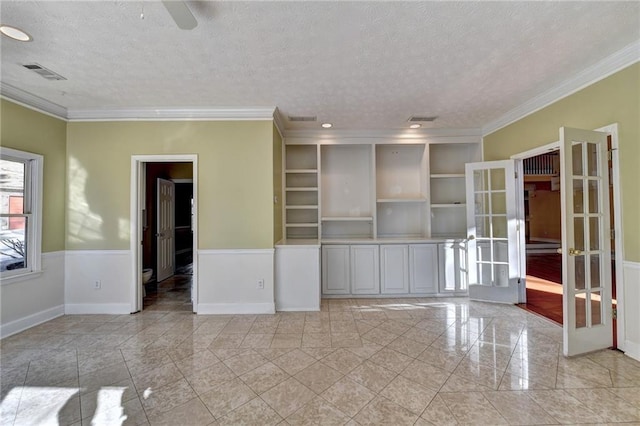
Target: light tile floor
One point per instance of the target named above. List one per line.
(373, 361)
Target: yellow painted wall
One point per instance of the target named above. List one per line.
(31, 131)
(235, 180)
(277, 185)
(615, 99)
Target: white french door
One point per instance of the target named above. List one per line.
(165, 229)
(493, 232)
(586, 244)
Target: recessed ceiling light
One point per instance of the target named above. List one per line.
(327, 125)
(415, 126)
(15, 33)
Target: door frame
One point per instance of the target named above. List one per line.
(137, 205)
(618, 243)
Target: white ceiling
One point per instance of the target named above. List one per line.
(359, 65)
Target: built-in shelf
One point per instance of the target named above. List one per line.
(402, 200)
(447, 175)
(440, 206)
(301, 171)
(309, 207)
(347, 218)
(301, 225)
(302, 188)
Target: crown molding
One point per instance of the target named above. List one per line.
(407, 134)
(278, 121)
(36, 103)
(172, 114)
(606, 67)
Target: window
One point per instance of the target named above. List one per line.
(20, 212)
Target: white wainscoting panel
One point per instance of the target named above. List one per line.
(34, 299)
(83, 268)
(297, 278)
(631, 311)
(228, 281)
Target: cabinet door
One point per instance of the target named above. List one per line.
(394, 269)
(365, 269)
(335, 269)
(453, 267)
(423, 268)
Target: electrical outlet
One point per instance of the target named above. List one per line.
(97, 284)
(261, 283)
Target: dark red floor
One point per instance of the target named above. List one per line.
(544, 285)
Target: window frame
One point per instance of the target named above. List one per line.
(33, 194)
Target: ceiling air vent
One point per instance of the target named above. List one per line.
(44, 72)
(417, 118)
(302, 118)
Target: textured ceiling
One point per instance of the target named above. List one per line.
(360, 65)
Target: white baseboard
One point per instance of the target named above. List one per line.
(632, 350)
(236, 308)
(301, 309)
(29, 321)
(97, 308)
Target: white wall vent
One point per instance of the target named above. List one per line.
(44, 72)
(417, 118)
(302, 118)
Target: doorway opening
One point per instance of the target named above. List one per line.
(164, 232)
(167, 238)
(543, 234)
(551, 268)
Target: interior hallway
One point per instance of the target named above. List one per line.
(364, 361)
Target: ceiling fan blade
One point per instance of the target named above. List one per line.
(180, 13)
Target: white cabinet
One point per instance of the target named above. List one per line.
(453, 267)
(381, 209)
(394, 269)
(335, 269)
(297, 277)
(423, 268)
(365, 272)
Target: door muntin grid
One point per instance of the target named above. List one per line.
(491, 233)
(586, 252)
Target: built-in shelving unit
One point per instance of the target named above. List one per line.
(447, 187)
(301, 192)
(347, 188)
(401, 190)
(389, 215)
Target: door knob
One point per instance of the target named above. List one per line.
(471, 237)
(559, 251)
(574, 252)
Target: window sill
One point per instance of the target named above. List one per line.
(12, 279)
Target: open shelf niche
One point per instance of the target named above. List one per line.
(401, 191)
(448, 217)
(347, 191)
(302, 193)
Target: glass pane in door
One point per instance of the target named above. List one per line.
(581, 310)
(592, 159)
(578, 262)
(596, 308)
(577, 159)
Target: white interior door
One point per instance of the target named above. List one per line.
(586, 245)
(492, 232)
(165, 230)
